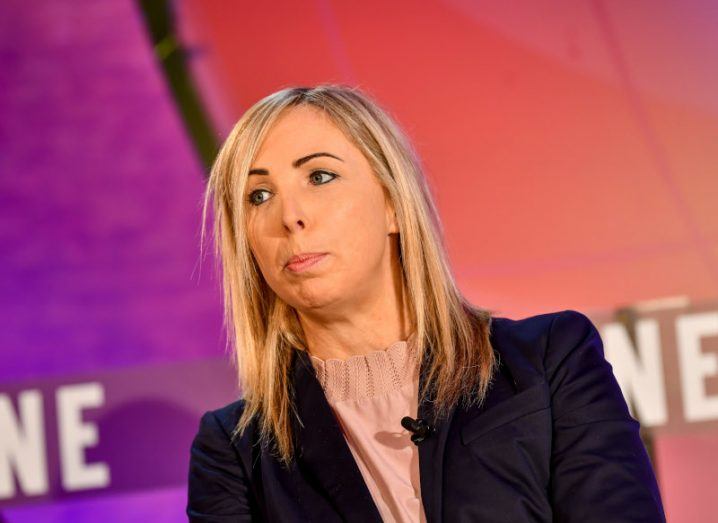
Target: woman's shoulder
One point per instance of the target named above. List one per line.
(226, 416)
(218, 424)
(544, 340)
(539, 324)
(215, 435)
(229, 412)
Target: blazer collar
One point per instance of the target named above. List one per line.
(324, 453)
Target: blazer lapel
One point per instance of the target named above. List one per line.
(431, 454)
(323, 452)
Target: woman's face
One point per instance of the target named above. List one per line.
(321, 204)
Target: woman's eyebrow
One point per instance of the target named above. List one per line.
(297, 163)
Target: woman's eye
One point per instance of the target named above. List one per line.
(316, 175)
(252, 200)
(313, 173)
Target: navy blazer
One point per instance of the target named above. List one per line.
(553, 441)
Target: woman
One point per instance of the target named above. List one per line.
(372, 390)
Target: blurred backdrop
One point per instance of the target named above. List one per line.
(571, 146)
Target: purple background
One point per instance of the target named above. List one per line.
(100, 202)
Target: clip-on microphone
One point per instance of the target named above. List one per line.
(419, 428)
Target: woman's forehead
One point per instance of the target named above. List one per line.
(302, 131)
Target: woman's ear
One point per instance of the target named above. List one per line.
(391, 221)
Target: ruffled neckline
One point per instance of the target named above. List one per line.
(370, 375)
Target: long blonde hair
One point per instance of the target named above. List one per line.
(263, 330)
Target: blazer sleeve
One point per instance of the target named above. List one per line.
(218, 488)
(600, 470)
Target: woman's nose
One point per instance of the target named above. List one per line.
(292, 212)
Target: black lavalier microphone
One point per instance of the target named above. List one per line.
(419, 428)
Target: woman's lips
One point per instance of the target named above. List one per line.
(305, 264)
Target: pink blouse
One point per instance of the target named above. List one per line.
(370, 394)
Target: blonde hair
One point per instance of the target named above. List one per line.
(263, 330)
